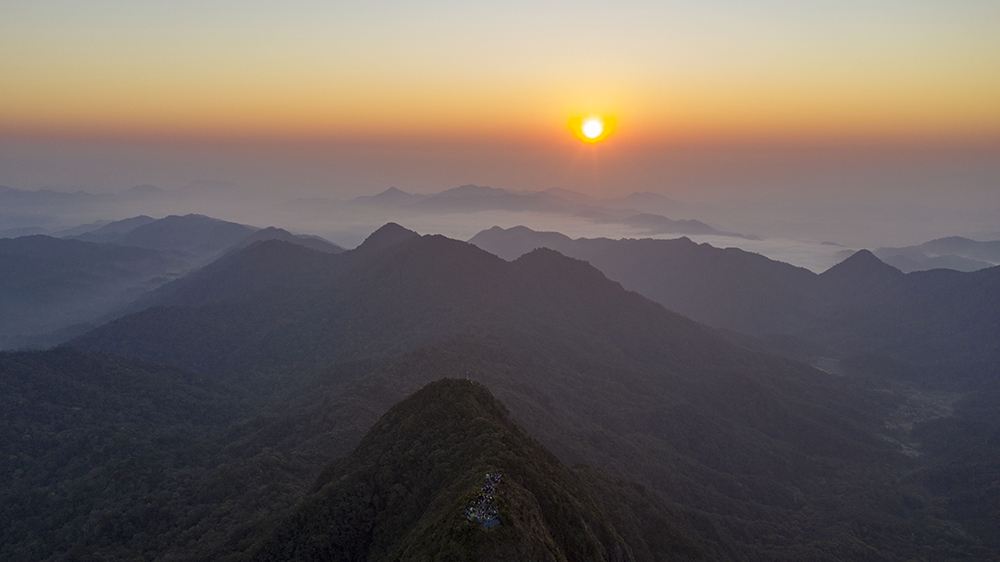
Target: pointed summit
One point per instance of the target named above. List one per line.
(860, 279)
(390, 198)
(862, 265)
(405, 491)
(388, 235)
(393, 194)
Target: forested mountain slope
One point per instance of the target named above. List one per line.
(728, 288)
(48, 284)
(407, 491)
(104, 455)
(790, 462)
(938, 326)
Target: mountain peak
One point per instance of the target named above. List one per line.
(406, 489)
(389, 234)
(472, 189)
(438, 406)
(559, 270)
(862, 275)
(862, 263)
(392, 193)
(516, 241)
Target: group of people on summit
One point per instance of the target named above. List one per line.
(484, 509)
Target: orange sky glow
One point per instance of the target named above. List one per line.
(737, 70)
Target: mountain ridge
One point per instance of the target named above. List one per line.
(456, 432)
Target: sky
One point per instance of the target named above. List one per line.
(826, 103)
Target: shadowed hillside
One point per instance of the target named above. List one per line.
(938, 327)
(52, 289)
(403, 493)
(48, 285)
(786, 459)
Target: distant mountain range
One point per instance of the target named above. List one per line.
(940, 322)
(52, 288)
(57, 213)
(245, 410)
(48, 285)
(779, 457)
(474, 198)
(46, 211)
(954, 252)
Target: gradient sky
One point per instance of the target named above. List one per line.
(800, 112)
(667, 70)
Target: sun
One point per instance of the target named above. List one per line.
(593, 128)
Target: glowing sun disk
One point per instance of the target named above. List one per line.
(593, 128)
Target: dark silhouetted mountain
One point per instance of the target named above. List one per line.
(953, 252)
(52, 289)
(728, 288)
(81, 229)
(656, 224)
(272, 233)
(940, 323)
(859, 282)
(197, 236)
(22, 231)
(787, 461)
(862, 268)
(387, 502)
(270, 263)
(261, 265)
(388, 235)
(49, 284)
(113, 231)
(516, 241)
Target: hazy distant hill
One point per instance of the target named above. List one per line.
(390, 198)
(57, 213)
(475, 198)
(788, 461)
(52, 289)
(941, 323)
(261, 264)
(387, 502)
(197, 237)
(22, 198)
(308, 241)
(729, 288)
(954, 252)
(49, 284)
(112, 231)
